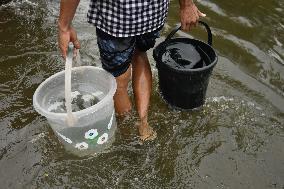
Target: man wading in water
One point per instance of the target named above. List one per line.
(126, 29)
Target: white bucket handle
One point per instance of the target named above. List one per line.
(70, 118)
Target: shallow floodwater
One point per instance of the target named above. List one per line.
(235, 141)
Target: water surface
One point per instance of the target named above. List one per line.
(235, 141)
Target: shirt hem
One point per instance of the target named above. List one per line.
(126, 35)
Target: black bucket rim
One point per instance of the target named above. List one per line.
(157, 55)
(169, 39)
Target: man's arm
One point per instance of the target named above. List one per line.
(66, 32)
(189, 14)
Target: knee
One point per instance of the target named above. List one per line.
(121, 86)
(123, 80)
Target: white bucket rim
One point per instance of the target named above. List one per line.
(78, 114)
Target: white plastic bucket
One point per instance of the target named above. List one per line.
(95, 125)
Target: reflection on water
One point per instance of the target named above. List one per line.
(234, 141)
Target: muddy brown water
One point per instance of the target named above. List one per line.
(235, 141)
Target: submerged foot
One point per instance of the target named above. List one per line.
(146, 132)
(123, 118)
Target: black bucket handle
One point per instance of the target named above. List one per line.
(178, 27)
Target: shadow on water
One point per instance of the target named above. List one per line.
(234, 141)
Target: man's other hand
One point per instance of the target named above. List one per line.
(189, 16)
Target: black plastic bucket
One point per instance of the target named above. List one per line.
(184, 68)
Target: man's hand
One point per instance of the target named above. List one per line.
(189, 14)
(65, 37)
(66, 32)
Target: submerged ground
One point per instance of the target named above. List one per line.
(235, 141)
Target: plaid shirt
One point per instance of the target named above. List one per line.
(124, 18)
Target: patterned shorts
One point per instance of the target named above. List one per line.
(116, 52)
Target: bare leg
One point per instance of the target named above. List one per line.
(142, 87)
(122, 101)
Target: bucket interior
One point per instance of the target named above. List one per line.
(184, 54)
(85, 80)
